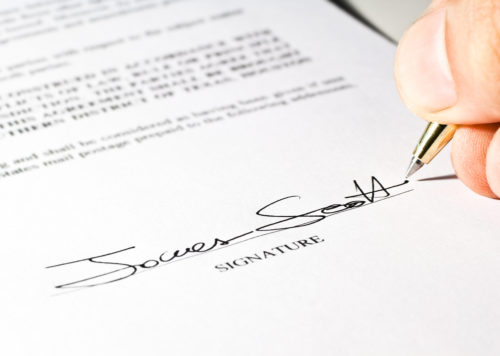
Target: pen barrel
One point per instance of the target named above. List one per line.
(435, 137)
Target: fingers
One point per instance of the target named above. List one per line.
(476, 158)
(448, 63)
(448, 70)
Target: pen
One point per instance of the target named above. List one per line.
(434, 138)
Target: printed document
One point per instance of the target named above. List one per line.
(226, 177)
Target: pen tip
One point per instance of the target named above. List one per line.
(414, 166)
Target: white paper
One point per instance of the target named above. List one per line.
(159, 126)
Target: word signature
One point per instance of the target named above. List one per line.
(120, 271)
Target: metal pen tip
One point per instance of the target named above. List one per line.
(414, 166)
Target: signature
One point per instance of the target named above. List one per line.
(118, 271)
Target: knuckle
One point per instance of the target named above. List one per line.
(481, 49)
(485, 32)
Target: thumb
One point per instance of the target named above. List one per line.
(448, 63)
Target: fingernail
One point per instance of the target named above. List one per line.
(422, 68)
(493, 164)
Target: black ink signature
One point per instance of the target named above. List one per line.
(121, 271)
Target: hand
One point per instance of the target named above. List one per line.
(448, 70)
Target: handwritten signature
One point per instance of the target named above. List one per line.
(123, 271)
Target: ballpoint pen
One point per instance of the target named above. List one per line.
(434, 138)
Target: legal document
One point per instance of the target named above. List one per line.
(226, 177)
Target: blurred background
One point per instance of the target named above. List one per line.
(391, 17)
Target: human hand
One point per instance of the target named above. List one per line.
(448, 70)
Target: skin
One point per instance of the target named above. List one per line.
(472, 46)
